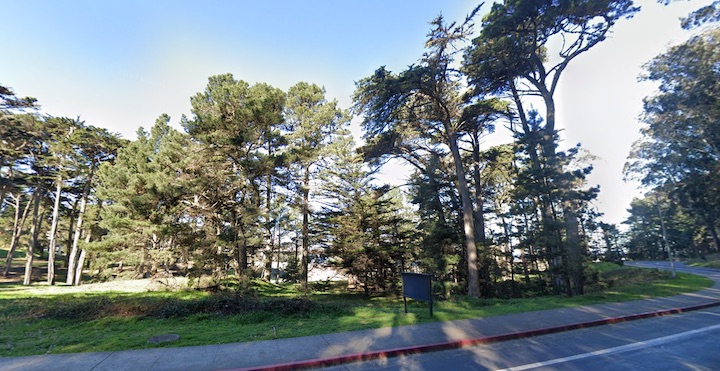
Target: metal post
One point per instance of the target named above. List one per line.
(430, 295)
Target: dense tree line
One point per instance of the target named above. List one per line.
(678, 156)
(433, 109)
(48, 165)
(261, 180)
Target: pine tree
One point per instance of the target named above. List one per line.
(426, 103)
(311, 123)
(142, 192)
(366, 232)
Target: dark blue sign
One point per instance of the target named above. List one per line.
(419, 287)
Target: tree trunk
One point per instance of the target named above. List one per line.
(665, 238)
(468, 220)
(3, 184)
(572, 245)
(715, 236)
(573, 251)
(479, 217)
(71, 230)
(297, 249)
(78, 231)
(524, 257)
(277, 271)
(509, 247)
(11, 249)
(240, 247)
(79, 268)
(267, 274)
(35, 230)
(479, 212)
(243, 252)
(267, 264)
(53, 233)
(304, 263)
(271, 256)
(17, 230)
(81, 260)
(548, 218)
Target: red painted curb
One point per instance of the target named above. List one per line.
(456, 344)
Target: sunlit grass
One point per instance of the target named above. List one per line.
(603, 267)
(709, 261)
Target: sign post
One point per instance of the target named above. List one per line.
(419, 287)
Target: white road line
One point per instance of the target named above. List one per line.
(620, 349)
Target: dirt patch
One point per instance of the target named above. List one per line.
(140, 285)
(39, 283)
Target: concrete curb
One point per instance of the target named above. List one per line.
(417, 349)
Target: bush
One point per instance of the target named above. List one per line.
(222, 303)
(292, 271)
(509, 289)
(321, 286)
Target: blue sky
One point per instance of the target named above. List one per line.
(120, 64)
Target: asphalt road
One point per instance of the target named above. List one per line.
(689, 341)
(679, 267)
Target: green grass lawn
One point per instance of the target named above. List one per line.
(53, 321)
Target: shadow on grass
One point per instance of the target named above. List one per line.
(93, 306)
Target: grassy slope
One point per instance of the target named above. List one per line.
(51, 320)
(710, 261)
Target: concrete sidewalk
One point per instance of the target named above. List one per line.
(338, 348)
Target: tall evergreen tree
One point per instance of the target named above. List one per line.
(426, 100)
(680, 145)
(141, 193)
(311, 122)
(18, 182)
(60, 166)
(510, 56)
(236, 121)
(366, 232)
(93, 146)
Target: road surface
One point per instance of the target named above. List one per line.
(689, 341)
